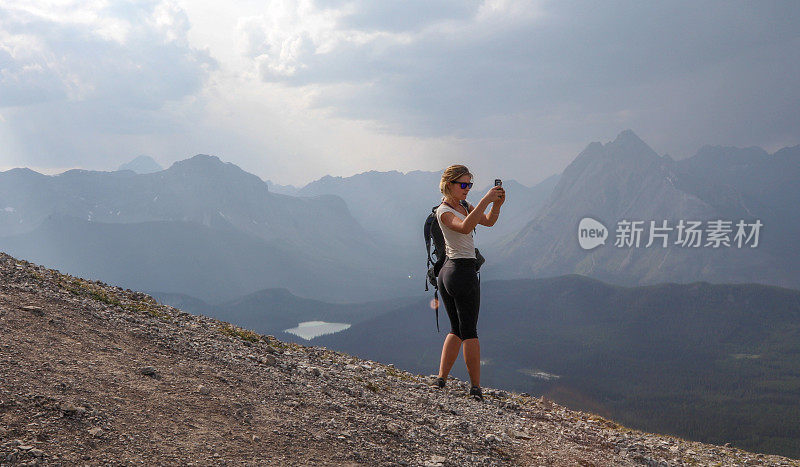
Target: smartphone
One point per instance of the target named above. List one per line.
(498, 182)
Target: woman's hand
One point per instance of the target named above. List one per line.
(496, 195)
(502, 198)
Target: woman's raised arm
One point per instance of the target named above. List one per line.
(475, 216)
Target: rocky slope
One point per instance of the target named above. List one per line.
(94, 374)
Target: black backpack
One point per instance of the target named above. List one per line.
(434, 236)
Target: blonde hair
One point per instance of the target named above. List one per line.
(451, 174)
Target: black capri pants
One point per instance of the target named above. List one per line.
(461, 294)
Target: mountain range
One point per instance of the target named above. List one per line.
(625, 180)
(389, 204)
(198, 227)
(359, 239)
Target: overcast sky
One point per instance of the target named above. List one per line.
(294, 90)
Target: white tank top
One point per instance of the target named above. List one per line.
(457, 245)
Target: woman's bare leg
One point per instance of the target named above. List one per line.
(452, 344)
(472, 357)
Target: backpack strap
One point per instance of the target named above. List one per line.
(466, 206)
(427, 234)
(436, 300)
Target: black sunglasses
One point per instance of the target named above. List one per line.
(464, 184)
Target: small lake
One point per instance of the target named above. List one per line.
(311, 329)
(539, 374)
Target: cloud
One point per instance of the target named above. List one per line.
(307, 87)
(286, 40)
(73, 74)
(491, 69)
(127, 55)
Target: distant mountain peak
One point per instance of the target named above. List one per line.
(627, 146)
(25, 172)
(142, 165)
(204, 159)
(627, 135)
(205, 167)
(201, 162)
(629, 143)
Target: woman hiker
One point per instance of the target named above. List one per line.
(458, 279)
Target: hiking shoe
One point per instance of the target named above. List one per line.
(439, 382)
(476, 393)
